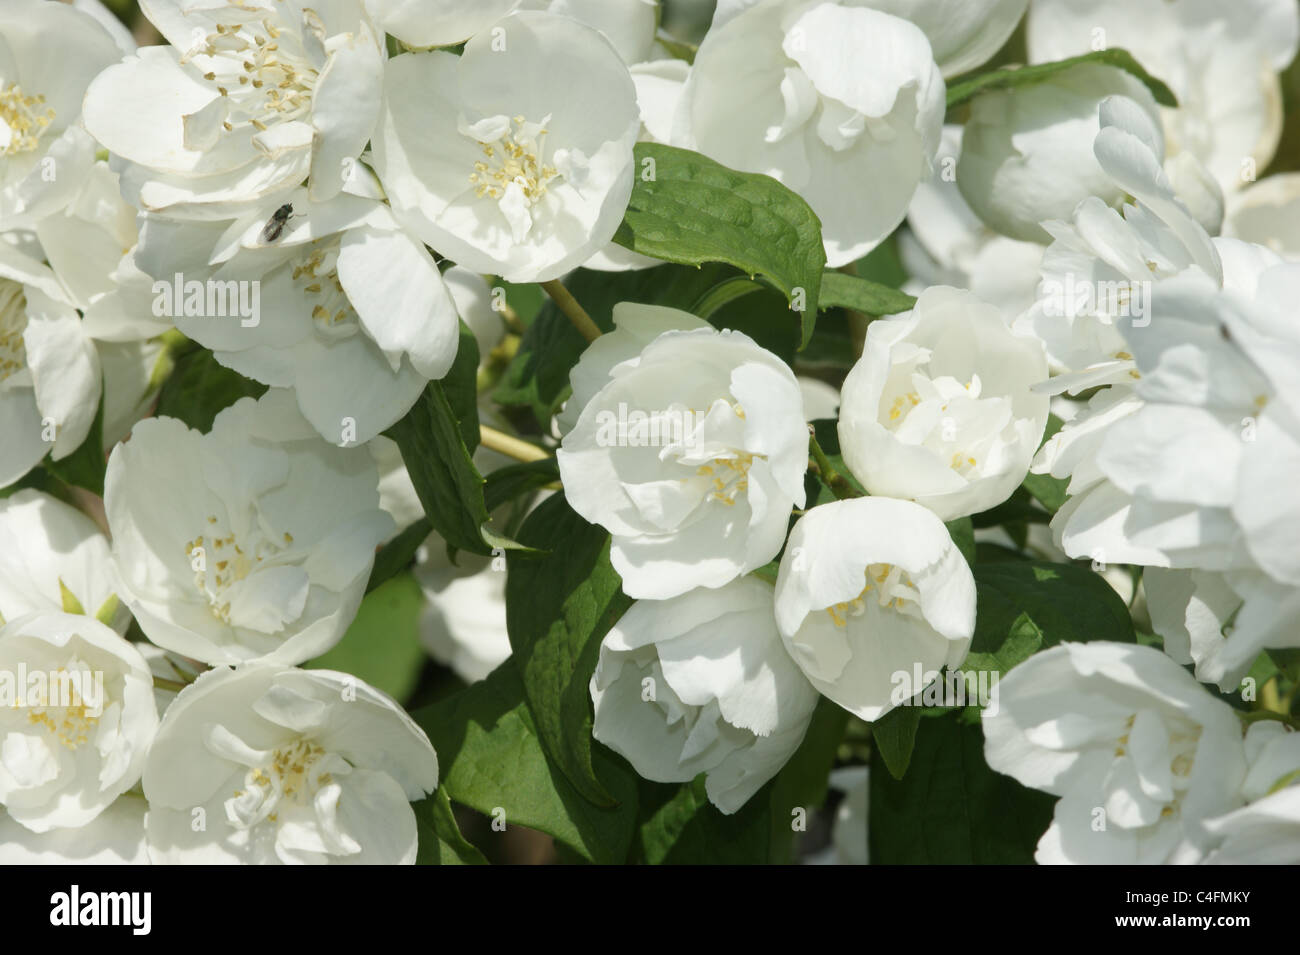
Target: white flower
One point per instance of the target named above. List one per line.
(246, 101)
(659, 87)
(253, 541)
(133, 372)
(820, 400)
(77, 715)
(690, 453)
(49, 370)
(114, 837)
(1266, 831)
(49, 53)
(49, 549)
(870, 588)
(1100, 266)
(1139, 752)
(628, 24)
(463, 623)
(84, 243)
(1184, 472)
(701, 684)
(841, 103)
(963, 34)
(91, 244)
(494, 159)
(945, 243)
(267, 764)
(1179, 470)
(1020, 157)
(343, 295)
(635, 327)
(1220, 59)
(1265, 213)
(1148, 485)
(1192, 610)
(939, 409)
(437, 22)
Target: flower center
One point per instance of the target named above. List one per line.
(220, 562)
(944, 415)
(69, 725)
(512, 158)
(292, 775)
(1183, 740)
(317, 277)
(262, 70)
(893, 588)
(730, 476)
(13, 322)
(728, 467)
(23, 119)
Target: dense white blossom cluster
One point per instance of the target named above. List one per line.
(338, 211)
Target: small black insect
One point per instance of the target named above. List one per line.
(275, 225)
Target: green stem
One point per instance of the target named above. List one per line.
(509, 445)
(833, 479)
(174, 686)
(570, 307)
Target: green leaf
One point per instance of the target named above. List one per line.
(688, 209)
(85, 466)
(724, 293)
(951, 808)
(832, 347)
(441, 842)
(501, 542)
(558, 608)
(199, 388)
(679, 826)
(507, 483)
(525, 300)
(492, 758)
(395, 556)
(382, 647)
(862, 295)
(966, 88)
(962, 532)
(1065, 602)
(882, 265)
(1022, 641)
(764, 317)
(460, 385)
(894, 735)
(450, 488)
(1047, 490)
(1286, 660)
(41, 480)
